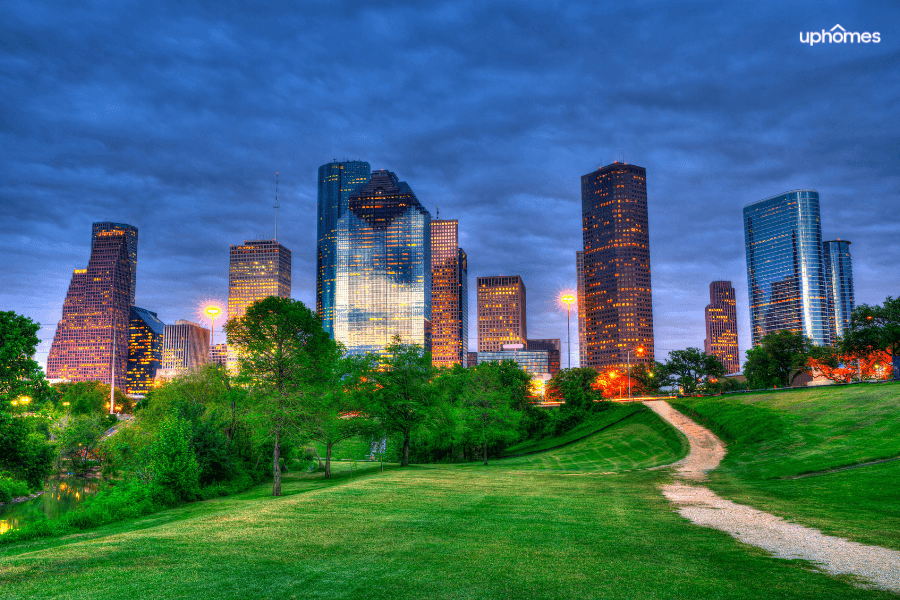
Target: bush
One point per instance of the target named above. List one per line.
(173, 465)
(11, 488)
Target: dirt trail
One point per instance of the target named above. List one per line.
(876, 566)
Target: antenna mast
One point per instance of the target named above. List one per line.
(276, 206)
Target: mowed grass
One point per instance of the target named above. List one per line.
(422, 532)
(774, 436)
(642, 440)
(592, 423)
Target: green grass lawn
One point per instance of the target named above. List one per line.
(776, 435)
(593, 423)
(422, 532)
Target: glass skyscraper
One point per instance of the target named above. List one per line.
(336, 182)
(449, 295)
(145, 333)
(382, 267)
(785, 274)
(839, 279)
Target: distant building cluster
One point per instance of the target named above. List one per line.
(385, 268)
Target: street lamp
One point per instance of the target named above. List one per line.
(568, 299)
(212, 311)
(640, 352)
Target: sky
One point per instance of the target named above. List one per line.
(175, 116)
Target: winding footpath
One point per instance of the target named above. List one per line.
(873, 565)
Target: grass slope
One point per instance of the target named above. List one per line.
(593, 423)
(433, 532)
(772, 435)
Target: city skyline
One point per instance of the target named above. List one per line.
(181, 129)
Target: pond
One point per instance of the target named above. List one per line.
(59, 497)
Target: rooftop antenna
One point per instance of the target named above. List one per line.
(276, 206)
(438, 212)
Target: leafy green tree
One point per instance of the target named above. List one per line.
(20, 375)
(690, 368)
(78, 438)
(875, 328)
(404, 396)
(778, 359)
(278, 342)
(24, 454)
(90, 398)
(487, 408)
(173, 464)
(648, 379)
(578, 387)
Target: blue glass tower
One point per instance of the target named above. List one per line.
(785, 274)
(839, 277)
(336, 181)
(382, 267)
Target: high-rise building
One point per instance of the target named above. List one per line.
(95, 315)
(218, 354)
(785, 275)
(471, 359)
(533, 362)
(617, 295)
(336, 182)
(382, 267)
(551, 347)
(579, 276)
(501, 312)
(257, 269)
(145, 343)
(721, 326)
(449, 295)
(185, 346)
(839, 281)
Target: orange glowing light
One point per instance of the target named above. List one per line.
(641, 350)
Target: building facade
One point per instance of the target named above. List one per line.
(721, 326)
(91, 340)
(785, 274)
(579, 299)
(552, 348)
(383, 267)
(185, 346)
(839, 281)
(337, 180)
(501, 312)
(618, 305)
(533, 362)
(145, 344)
(257, 269)
(449, 295)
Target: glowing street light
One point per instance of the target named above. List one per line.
(212, 311)
(568, 299)
(640, 352)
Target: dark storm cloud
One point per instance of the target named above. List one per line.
(175, 117)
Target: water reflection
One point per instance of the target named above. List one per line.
(60, 496)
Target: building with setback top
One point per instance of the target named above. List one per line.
(618, 306)
(721, 326)
(449, 295)
(501, 312)
(145, 344)
(95, 316)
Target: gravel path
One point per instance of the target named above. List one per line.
(877, 566)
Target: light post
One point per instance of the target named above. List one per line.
(212, 311)
(568, 299)
(640, 352)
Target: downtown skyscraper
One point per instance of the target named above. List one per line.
(501, 313)
(449, 295)
(721, 326)
(257, 269)
(91, 340)
(145, 350)
(618, 306)
(337, 180)
(839, 281)
(382, 268)
(785, 271)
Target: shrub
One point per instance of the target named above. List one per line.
(11, 488)
(173, 464)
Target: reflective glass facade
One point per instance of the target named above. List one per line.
(449, 295)
(839, 279)
(552, 348)
(382, 267)
(721, 326)
(95, 315)
(534, 362)
(501, 312)
(785, 275)
(145, 343)
(337, 180)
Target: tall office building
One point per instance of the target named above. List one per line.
(257, 269)
(617, 294)
(839, 281)
(501, 312)
(579, 276)
(382, 267)
(449, 295)
(785, 275)
(145, 344)
(95, 315)
(533, 362)
(721, 326)
(185, 346)
(551, 347)
(336, 182)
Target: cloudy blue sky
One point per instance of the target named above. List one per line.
(175, 116)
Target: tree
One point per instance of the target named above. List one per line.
(78, 439)
(24, 454)
(875, 328)
(487, 408)
(278, 342)
(173, 464)
(836, 366)
(578, 387)
(20, 375)
(690, 368)
(648, 379)
(404, 395)
(778, 359)
(90, 398)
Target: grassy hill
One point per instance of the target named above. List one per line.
(774, 437)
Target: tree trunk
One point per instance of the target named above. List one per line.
(404, 462)
(485, 452)
(328, 460)
(231, 429)
(276, 464)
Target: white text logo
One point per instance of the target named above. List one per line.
(839, 35)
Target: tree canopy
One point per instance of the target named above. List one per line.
(691, 368)
(778, 359)
(875, 328)
(20, 375)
